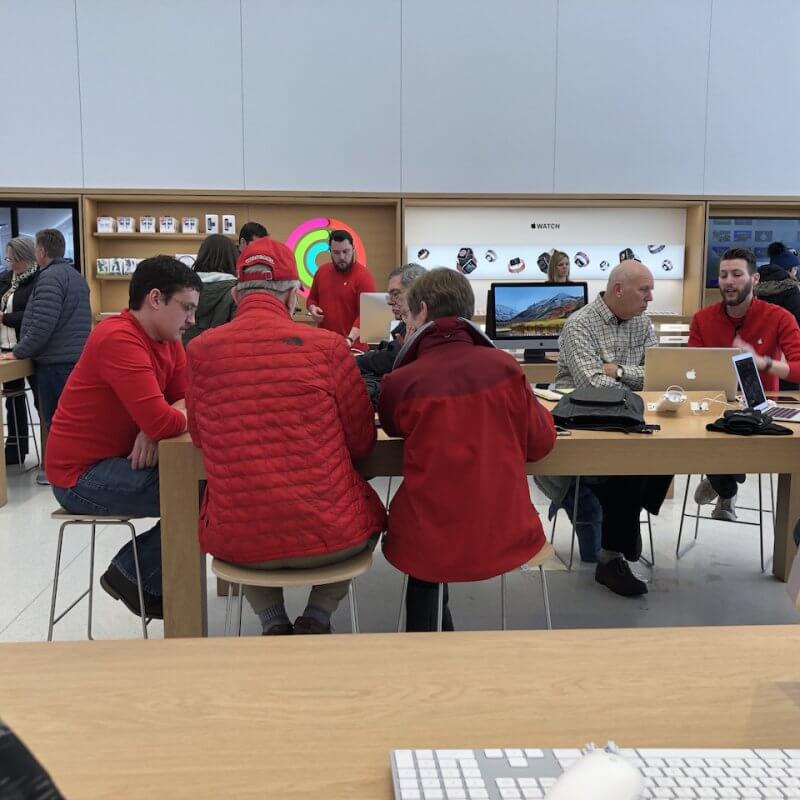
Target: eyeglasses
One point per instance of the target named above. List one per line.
(9, 260)
(394, 294)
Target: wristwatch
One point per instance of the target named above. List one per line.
(620, 373)
(769, 363)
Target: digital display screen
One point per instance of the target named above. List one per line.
(755, 233)
(530, 310)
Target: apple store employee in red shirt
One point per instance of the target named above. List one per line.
(124, 395)
(334, 299)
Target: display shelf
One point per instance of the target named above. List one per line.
(159, 236)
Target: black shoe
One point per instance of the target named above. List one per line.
(617, 576)
(12, 457)
(120, 588)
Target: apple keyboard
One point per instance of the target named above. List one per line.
(522, 773)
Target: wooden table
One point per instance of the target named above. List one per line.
(11, 371)
(308, 717)
(682, 446)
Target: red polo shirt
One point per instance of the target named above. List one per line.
(338, 295)
(123, 382)
(769, 329)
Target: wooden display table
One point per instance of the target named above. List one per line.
(11, 371)
(316, 716)
(681, 446)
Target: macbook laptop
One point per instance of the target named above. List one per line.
(377, 318)
(694, 369)
(753, 391)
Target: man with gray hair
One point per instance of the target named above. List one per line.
(281, 415)
(603, 345)
(377, 363)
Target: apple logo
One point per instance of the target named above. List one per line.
(691, 375)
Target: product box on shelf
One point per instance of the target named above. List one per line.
(228, 223)
(167, 225)
(186, 258)
(106, 225)
(212, 223)
(116, 266)
(189, 225)
(126, 225)
(147, 224)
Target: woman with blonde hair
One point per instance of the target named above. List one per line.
(558, 270)
(16, 285)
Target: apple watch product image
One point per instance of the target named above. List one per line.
(543, 262)
(423, 254)
(627, 255)
(667, 265)
(490, 256)
(466, 261)
(655, 248)
(516, 265)
(581, 259)
(620, 373)
(604, 265)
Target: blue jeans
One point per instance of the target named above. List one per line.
(112, 487)
(590, 519)
(51, 380)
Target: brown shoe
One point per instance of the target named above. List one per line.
(281, 629)
(311, 625)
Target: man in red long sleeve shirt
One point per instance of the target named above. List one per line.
(334, 298)
(767, 331)
(124, 395)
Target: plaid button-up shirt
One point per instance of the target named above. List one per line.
(593, 336)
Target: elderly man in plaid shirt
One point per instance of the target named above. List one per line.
(603, 344)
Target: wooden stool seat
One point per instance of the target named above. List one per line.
(286, 577)
(64, 516)
(291, 576)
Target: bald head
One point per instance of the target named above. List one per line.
(629, 289)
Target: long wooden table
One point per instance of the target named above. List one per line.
(681, 446)
(307, 717)
(11, 371)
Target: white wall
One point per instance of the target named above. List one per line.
(567, 96)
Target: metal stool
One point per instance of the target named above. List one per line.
(539, 560)
(67, 519)
(31, 433)
(651, 563)
(698, 516)
(240, 576)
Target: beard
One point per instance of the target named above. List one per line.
(740, 297)
(344, 267)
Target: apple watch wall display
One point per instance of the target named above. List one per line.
(466, 261)
(491, 261)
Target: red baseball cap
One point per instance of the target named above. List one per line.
(266, 259)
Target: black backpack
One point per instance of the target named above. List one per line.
(606, 408)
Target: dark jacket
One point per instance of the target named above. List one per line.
(778, 287)
(216, 306)
(21, 296)
(377, 363)
(470, 424)
(58, 318)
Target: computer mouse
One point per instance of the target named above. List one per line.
(599, 775)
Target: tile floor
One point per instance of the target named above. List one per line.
(718, 583)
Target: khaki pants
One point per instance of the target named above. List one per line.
(326, 597)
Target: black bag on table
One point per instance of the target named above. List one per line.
(748, 422)
(606, 408)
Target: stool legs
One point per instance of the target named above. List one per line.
(228, 605)
(440, 611)
(503, 601)
(351, 591)
(90, 591)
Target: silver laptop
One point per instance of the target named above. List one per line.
(753, 391)
(695, 369)
(377, 318)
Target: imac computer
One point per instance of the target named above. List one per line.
(530, 316)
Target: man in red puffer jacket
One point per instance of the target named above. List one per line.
(281, 413)
(470, 423)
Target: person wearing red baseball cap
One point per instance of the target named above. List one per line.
(281, 415)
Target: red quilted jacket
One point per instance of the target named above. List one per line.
(470, 423)
(281, 413)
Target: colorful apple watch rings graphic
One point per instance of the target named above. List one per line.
(310, 238)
